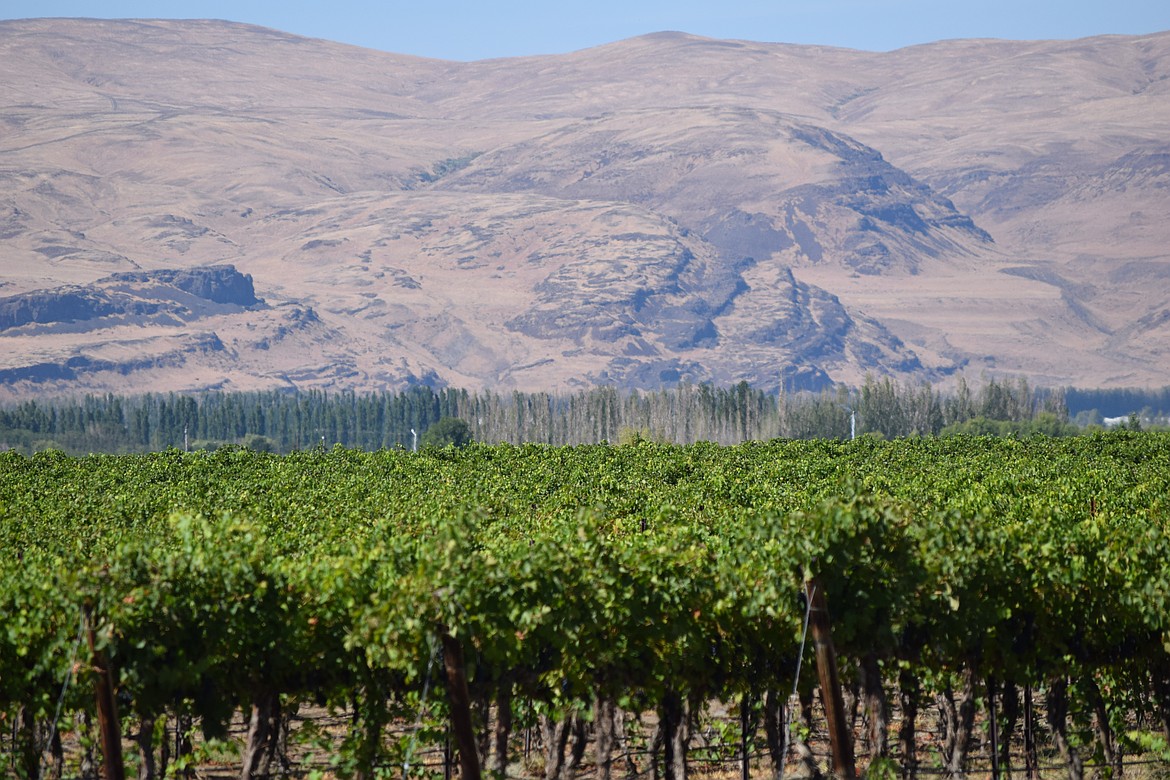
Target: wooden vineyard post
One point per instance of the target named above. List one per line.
(460, 699)
(840, 740)
(991, 695)
(107, 707)
(447, 753)
(745, 710)
(744, 741)
(1030, 762)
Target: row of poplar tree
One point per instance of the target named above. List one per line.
(283, 422)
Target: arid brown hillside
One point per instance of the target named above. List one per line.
(660, 209)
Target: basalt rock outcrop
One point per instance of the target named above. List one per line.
(188, 205)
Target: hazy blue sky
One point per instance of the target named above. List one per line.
(477, 29)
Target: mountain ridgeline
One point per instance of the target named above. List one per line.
(193, 206)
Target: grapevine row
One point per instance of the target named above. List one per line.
(645, 577)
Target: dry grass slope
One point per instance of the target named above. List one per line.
(660, 209)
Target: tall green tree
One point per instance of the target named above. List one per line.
(447, 431)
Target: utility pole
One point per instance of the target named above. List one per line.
(852, 421)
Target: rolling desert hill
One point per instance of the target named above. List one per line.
(190, 205)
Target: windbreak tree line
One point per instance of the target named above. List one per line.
(588, 585)
(284, 422)
(1118, 402)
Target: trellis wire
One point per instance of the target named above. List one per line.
(418, 720)
(795, 683)
(65, 684)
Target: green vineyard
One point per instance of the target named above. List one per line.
(996, 606)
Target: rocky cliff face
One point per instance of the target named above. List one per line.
(218, 284)
(664, 209)
(61, 305)
(175, 294)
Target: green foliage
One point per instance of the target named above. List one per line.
(1155, 745)
(1043, 424)
(258, 443)
(216, 578)
(882, 769)
(448, 431)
